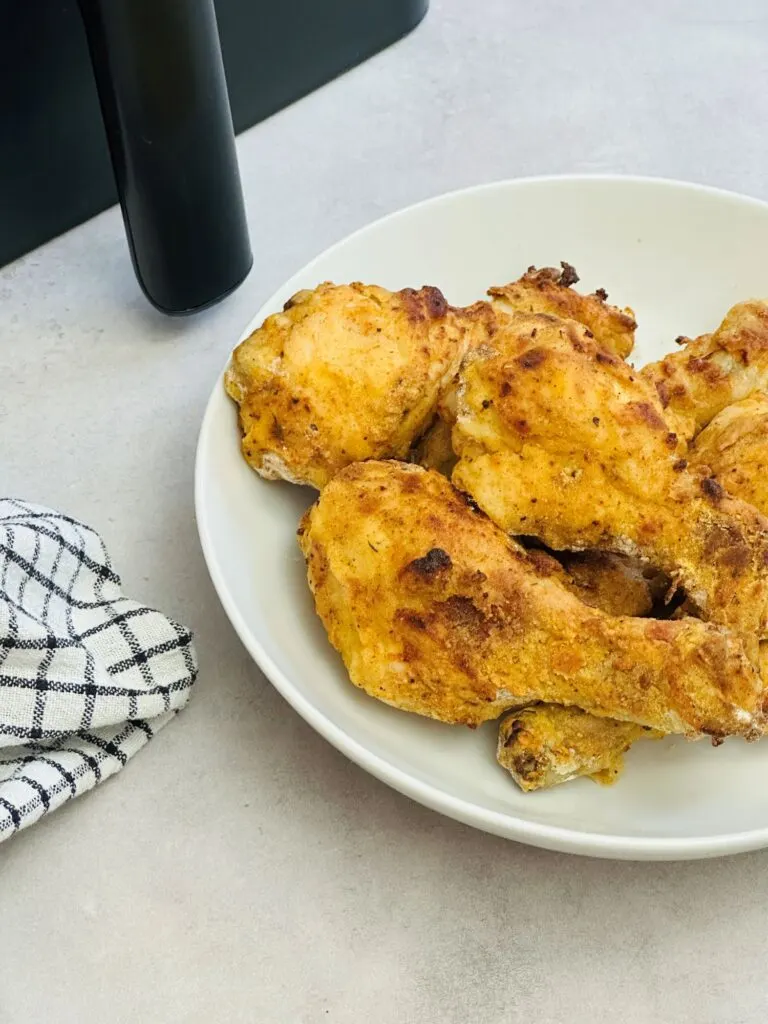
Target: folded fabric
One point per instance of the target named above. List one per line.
(86, 675)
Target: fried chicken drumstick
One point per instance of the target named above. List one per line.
(545, 745)
(436, 611)
(547, 291)
(560, 440)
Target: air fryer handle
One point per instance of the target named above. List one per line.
(164, 100)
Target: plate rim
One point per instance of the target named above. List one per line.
(509, 826)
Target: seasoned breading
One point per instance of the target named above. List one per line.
(715, 370)
(436, 611)
(560, 440)
(734, 447)
(344, 373)
(550, 291)
(527, 402)
(546, 745)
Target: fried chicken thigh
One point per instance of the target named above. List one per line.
(560, 440)
(436, 611)
(344, 373)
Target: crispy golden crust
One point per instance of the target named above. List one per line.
(435, 611)
(559, 440)
(344, 373)
(550, 744)
(434, 449)
(711, 372)
(734, 447)
(546, 291)
(549, 291)
(546, 745)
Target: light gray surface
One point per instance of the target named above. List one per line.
(240, 869)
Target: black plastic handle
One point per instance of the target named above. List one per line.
(164, 100)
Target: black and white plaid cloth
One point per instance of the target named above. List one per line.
(86, 675)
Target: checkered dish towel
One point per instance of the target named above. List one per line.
(86, 676)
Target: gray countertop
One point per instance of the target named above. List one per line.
(240, 869)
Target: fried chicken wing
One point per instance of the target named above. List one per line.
(558, 439)
(344, 373)
(550, 291)
(715, 370)
(546, 745)
(436, 611)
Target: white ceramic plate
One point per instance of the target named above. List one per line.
(680, 255)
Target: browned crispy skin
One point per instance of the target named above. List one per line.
(560, 440)
(436, 611)
(715, 370)
(550, 291)
(694, 384)
(546, 745)
(734, 447)
(547, 290)
(346, 372)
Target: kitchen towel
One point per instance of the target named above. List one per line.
(87, 676)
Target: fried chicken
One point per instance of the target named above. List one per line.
(613, 583)
(434, 449)
(734, 447)
(550, 291)
(558, 439)
(344, 373)
(547, 291)
(558, 744)
(546, 745)
(436, 611)
(714, 370)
